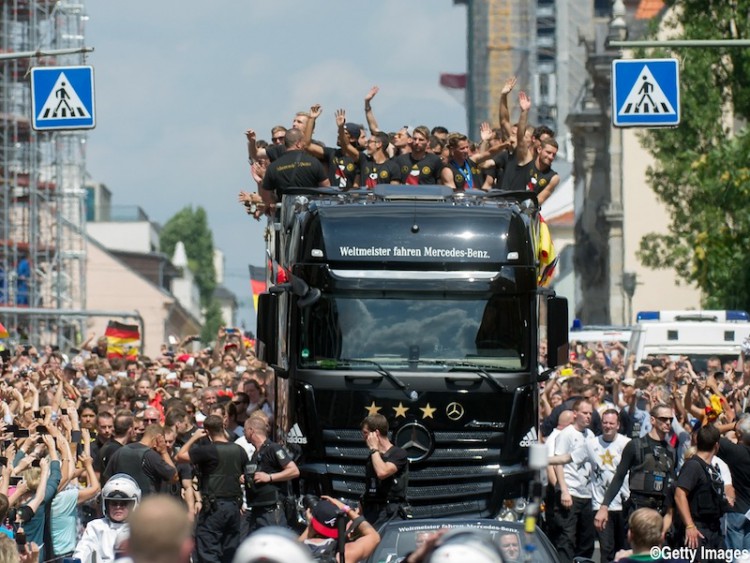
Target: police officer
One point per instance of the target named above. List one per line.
(651, 461)
(699, 494)
(266, 477)
(386, 474)
(220, 464)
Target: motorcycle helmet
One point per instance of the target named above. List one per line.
(121, 487)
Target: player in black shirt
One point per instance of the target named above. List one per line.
(419, 166)
(295, 168)
(386, 474)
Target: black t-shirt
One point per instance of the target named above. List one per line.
(96, 448)
(498, 171)
(466, 177)
(392, 489)
(105, 454)
(342, 169)
(294, 169)
(184, 472)
(153, 468)
(737, 457)
(516, 178)
(538, 179)
(426, 170)
(275, 151)
(383, 173)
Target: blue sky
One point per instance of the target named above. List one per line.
(178, 82)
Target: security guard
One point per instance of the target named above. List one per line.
(699, 494)
(651, 462)
(266, 477)
(220, 464)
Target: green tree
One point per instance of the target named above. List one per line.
(191, 227)
(212, 322)
(701, 172)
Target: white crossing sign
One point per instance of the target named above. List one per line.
(645, 93)
(62, 98)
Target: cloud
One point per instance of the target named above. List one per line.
(179, 81)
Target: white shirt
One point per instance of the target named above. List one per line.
(577, 473)
(604, 458)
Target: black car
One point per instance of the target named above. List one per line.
(400, 538)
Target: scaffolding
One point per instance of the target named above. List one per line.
(42, 194)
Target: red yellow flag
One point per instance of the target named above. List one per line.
(122, 340)
(257, 283)
(3, 331)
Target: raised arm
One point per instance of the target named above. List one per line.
(252, 148)
(313, 148)
(92, 482)
(522, 147)
(505, 124)
(349, 149)
(487, 149)
(371, 122)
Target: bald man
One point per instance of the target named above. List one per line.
(160, 531)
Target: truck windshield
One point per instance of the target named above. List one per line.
(413, 333)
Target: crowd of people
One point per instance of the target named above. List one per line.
(514, 156)
(662, 435)
(87, 438)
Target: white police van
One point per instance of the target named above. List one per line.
(599, 333)
(695, 334)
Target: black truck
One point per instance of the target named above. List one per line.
(420, 304)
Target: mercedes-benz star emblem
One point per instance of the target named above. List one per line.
(454, 411)
(416, 440)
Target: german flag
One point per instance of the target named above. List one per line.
(122, 340)
(257, 283)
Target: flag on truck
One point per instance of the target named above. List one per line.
(123, 340)
(257, 283)
(547, 255)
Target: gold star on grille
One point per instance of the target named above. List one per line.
(427, 411)
(400, 410)
(372, 409)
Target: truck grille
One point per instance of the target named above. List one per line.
(458, 477)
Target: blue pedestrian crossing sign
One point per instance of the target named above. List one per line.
(645, 93)
(62, 97)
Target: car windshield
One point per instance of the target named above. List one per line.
(398, 540)
(416, 332)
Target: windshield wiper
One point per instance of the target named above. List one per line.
(484, 374)
(395, 381)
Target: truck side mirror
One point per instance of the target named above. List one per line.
(557, 332)
(267, 335)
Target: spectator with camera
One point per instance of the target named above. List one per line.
(328, 521)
